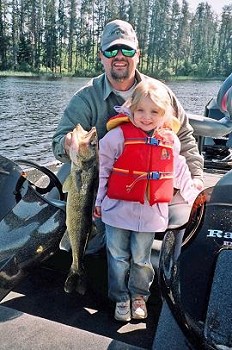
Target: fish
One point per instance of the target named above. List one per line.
(81, 187)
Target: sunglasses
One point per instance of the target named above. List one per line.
(112, 52)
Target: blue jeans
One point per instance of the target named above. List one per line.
(130, 272)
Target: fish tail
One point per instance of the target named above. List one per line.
(75, 281)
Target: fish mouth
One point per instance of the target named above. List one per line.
(88, 152)
(87, 142)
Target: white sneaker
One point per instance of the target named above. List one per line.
(139, 309)
(123, 311)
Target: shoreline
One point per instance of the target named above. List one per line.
(15, 74)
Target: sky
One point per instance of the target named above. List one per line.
(216, 5)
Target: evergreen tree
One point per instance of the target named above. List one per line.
(183, 44)
(64, 35)
(224, 57)
(4, 39)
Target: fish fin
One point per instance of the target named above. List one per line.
(65, 242)
(66, 184)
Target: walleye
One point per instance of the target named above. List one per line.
(81, 185)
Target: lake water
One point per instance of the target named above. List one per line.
(30, 109)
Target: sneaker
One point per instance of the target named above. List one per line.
(123, 311)
(139, 310)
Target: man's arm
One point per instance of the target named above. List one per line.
(76, 112)
(189, 147)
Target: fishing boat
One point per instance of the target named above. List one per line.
(190, 305)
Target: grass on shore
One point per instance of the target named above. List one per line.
(183, 78)
(10, 73)
(57, 75)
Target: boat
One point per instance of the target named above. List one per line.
(190, 305)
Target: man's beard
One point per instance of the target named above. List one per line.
(119, 76)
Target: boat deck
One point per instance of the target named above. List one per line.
(38, 314)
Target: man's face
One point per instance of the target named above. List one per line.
(121, 66)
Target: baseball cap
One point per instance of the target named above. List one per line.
(118, 32)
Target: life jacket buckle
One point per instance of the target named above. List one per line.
(152, 141)
(153, 175)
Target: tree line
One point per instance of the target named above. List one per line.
(63, 36)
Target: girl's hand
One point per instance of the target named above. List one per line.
(198, 184)
(97, 212)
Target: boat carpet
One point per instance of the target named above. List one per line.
(22, 331)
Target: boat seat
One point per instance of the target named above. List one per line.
(61, 174)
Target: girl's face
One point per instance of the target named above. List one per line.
(147, 115)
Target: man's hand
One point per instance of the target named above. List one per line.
(71, 145)
(67, 142)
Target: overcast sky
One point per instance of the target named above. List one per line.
(216, 5)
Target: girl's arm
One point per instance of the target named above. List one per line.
(110, 148)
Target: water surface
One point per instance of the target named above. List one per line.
(30, 109)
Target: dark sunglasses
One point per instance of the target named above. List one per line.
(112, 52)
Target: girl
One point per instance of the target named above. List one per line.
(140, 165)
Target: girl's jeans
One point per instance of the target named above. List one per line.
(130, 272)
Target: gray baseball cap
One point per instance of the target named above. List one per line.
(118, 33)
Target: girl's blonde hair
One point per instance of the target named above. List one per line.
(158, 94)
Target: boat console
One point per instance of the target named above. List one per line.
(31, 225)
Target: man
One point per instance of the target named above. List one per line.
(94, 104)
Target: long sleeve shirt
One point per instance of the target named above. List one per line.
(134, 215)
(94, 104)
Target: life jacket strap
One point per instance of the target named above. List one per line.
(153, 141)
(151, 175)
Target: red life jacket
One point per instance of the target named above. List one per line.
(145, 167)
